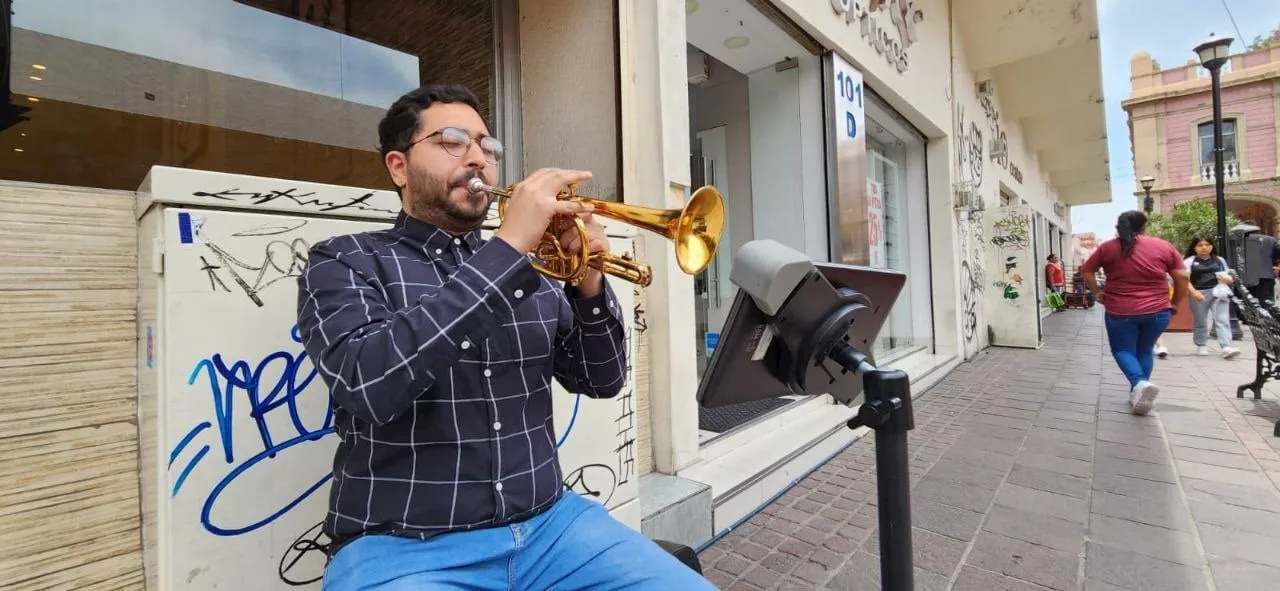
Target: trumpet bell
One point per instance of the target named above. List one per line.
(698, 233)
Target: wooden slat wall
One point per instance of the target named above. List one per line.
(68, 435)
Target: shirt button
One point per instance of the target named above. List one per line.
(487, 373)
(438, 251)
(456, 241)
(466, 344)
(497, 486)
(519, 293)
(497, 425)
(595, 310)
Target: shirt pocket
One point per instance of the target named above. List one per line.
(528, 339)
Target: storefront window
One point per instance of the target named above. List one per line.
(756, 134)
(275, 88)
(896, 187)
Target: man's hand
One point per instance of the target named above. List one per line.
(597, 243)
(534, 203)
(1196, 295)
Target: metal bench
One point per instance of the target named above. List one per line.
(1263, 320)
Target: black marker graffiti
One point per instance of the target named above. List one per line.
(969, 292)
(214, 281)
(625, 451)
(593, 480)
(304, 544)
(1009, 241)
(272, 229)
(359, 203)
(281, 260)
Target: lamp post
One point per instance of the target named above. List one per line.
(1213, 55)
(1147, 181)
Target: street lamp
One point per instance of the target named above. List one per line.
(1147, 181)
(1213, 55)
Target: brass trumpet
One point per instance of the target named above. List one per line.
(695, 230)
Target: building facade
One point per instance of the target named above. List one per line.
(946, 140)
(1171, 128)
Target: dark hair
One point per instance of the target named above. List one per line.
(404, 118)
(1191, 248)
(1050, 257)
(1128, 226)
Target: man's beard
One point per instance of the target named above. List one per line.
(431, 201)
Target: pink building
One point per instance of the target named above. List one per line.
(1171, 130)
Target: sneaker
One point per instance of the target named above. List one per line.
(1161, 351)
(1230, 352)
(1142, 396)
(1202, 351)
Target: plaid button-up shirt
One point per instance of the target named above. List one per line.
(439, 353)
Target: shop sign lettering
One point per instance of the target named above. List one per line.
(890, 39)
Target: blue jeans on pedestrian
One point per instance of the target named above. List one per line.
(575, 544)
(1133, 341)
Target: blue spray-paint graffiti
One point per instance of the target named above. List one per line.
(241, 379)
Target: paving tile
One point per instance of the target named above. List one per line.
(1232, 494)
(1130, 570)
(1045, 480)
(1052, 463)
(1239, 518)
(1168, 513)
(1136, 487)
(1230, 574)
(1044, 503)
(954, 493)
(977, 579)
(955, 522)
(1054, 569)
(1036, 528)
(930, 551)
(1120, 466)
(1192, 441)
(1223, 542)
(1220, 474)
(1157, 542)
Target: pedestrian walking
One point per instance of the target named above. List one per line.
(1137, 302)
(1210, 295)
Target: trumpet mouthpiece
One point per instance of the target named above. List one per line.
(476, 185)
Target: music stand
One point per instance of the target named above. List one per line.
(819, 343)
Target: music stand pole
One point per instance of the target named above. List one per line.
(886, 409)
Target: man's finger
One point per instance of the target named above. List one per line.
(565, 176)
(570, 207)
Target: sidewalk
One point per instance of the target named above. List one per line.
(1029, 472)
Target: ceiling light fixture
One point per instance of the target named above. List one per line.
(19, 150)
(36, 78)
(33, 99)
(38, 66)
(736, 42)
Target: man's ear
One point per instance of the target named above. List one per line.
(397, 167)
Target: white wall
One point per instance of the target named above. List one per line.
(776, 157)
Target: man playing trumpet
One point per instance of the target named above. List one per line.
(439, 348)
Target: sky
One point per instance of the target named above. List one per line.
(1169, 30)
(232, 38)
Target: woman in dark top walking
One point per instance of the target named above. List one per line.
(1208, 300)
(1137, 299)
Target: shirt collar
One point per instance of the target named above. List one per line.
(434, 237)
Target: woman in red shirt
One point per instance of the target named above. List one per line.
(1053, 273)
(1137, 302)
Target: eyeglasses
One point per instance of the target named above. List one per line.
(456, 142)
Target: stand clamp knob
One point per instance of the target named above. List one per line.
(874, 413)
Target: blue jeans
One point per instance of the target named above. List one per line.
(575, 544)
(1133, 340)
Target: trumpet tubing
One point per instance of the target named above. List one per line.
(695, 231)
